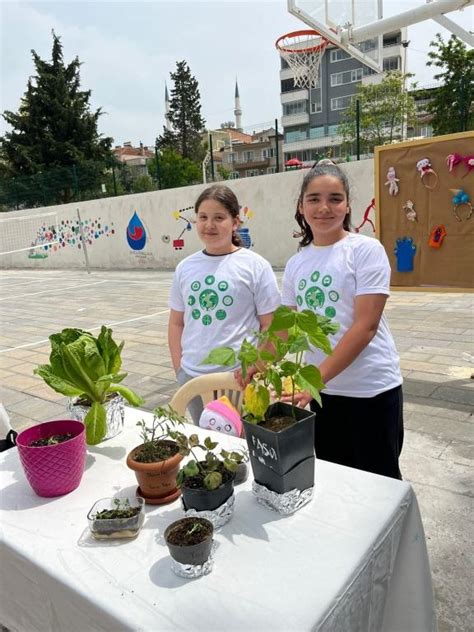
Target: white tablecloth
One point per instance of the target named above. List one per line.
(354, 559)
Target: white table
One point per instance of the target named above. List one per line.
(353, 559)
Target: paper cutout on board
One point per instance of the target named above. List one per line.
(136, 233)
(437, 236)
(405, 251)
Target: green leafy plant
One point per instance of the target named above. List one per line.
(153, 448)
(87, 368)
(278, 354)
(211, 466)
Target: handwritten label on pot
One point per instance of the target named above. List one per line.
(261, 449)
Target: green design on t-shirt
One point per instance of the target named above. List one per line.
(316, 297)
(209, 299)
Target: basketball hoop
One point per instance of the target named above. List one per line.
(303, 52)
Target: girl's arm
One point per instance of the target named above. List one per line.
(175, 333)
(368, 309)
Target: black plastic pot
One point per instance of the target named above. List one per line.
(206, 499)
(301, 476)
(191, 554)
(282, 451)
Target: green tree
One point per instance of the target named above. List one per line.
(175, 171)
(385, 110)
(185, 116)
(452, 104)
(223, 172)
(142, 184)
(55, 129)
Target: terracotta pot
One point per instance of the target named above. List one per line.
(157, 481)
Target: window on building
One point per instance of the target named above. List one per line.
(299, 107)
(251, 172)
(316, 107)
(234, 175)
(333, 130)
(349, 76)
(288, 85)
(271, 169)
(231, 158)
(392, 40)
(247, 156)
(268, 153)
(368, 45)
(316, 132)
(295, 134)
(341, 103)
(391, 63)
(338, 55)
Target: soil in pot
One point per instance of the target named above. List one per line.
(189, 531)
(197, 482)
(276, 424)
(197, 496)
(52, 440)
(160, 451)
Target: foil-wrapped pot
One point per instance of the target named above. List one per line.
(284, 504)
(194, 570)
(115, 414)
(219, 517)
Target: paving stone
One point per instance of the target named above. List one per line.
(439, 428)
(454, 395)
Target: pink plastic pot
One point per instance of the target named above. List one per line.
(53, 470)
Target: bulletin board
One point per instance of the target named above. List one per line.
(416, 264)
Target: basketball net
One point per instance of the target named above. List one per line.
(303, 52)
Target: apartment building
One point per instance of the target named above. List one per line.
(311, 116)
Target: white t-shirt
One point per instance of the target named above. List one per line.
(327, 279)
(221, 297)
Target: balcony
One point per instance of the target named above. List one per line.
(289, 120)
(294, 95)
(286, 73)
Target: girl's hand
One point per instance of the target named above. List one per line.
(239, 378)
(301, 399)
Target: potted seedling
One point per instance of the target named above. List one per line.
(206, 483)
(280, 436)
(53, 456)
(157, 459)
(189, 542)
(87, 369)
(112, 518)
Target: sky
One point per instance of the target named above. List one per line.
(128, 50)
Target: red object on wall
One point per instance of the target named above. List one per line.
(178, 244)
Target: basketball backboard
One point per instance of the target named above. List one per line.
(357, 26)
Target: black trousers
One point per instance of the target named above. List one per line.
(361, 432)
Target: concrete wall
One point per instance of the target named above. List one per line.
(270, 201)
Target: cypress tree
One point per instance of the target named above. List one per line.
(185, 116)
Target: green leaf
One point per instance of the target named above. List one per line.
(95, 423)
(76, 373)
(288, 368)
(222, 356)
(191, 469)
(309, 379)
(274, 380)
(299, 344)
(193, 440)
(321, 341)
(132, 398)
(213, 480)
(58, 384)
(230, 465)
(283, 318)
(109, 350)
(267, 356)
(209, 443)
(180, 478)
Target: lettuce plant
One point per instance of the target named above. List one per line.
(278, 355)
(88, 368)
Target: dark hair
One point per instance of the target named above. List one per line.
(225, 196)
(324, 169)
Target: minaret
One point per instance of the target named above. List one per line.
(237, 110)
(167, 110)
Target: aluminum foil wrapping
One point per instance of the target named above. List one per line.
(115, 414)
(219, 517)
(284, 504)
(194, 570)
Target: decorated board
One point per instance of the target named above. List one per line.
(425, 220)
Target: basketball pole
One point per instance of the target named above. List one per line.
(83, 239)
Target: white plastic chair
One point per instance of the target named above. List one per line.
(209, 387)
